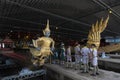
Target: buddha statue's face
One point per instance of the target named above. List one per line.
(47, 34)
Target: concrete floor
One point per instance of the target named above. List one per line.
(109, 64)
(77, 75)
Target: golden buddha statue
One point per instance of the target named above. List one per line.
(43, 47)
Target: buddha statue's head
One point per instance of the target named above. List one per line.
(46, 31)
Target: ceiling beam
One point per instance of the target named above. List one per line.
(47, 13)
(104, 5)
(97, 11)
(9, 18)
(18, 28)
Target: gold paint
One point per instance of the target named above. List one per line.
(94, 35)
(47, 27)
(44, 43)
(110, 48)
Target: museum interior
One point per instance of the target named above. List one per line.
(59, 40)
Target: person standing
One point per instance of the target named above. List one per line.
(85, 55)
(77, 55)
(94, 60)
(90, 59)
(62, 54)
(69, 59)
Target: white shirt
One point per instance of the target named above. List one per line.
(69, 51)
(90, 49)
(94, 52)
(85, 51)
(77, 49)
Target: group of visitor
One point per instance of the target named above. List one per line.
(85, 57)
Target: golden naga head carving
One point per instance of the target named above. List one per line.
(47, 27)
(94, 35)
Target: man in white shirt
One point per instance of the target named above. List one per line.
(77, 55)
(94, 60)
(85, 56)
